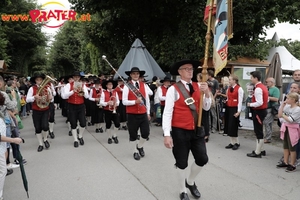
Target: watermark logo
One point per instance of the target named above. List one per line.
(52, 14)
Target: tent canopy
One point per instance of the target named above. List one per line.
(138, 56)
(288, 61)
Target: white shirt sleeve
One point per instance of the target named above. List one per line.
(86, 92)
(117, 99)
(241, 95)
(258, 97)
(91, 96)
(168, 111)
(66, 93)
(30, 97)
(160, 96)
(102, 98)
(149, 91)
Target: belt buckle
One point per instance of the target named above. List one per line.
(189, 101)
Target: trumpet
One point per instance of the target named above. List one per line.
(113, 107)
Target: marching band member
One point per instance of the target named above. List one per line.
(162, 91)
(51, 111)
(75, 92)
(39, 95)
(97, 115)
(138, 111)
(109, 100)
(88, 104)
(181, 98)
(121, 108)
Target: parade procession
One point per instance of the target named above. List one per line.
(149, 100)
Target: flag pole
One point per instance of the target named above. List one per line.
(206, 55)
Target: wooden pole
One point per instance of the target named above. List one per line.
(206, 56)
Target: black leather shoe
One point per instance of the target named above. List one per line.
(81, 141)
(52, 136)
(254, 155)
(101, 130)
(109, 140)
(124, 128)
(47, 145)
(89, 124)
(141, 151)
(136, 156)
(115, 140)
(193, 189)
(229, 146)
(184, 196)
(138, 137)
(263, 153)
(75, 144)
(97, 130)
(9, 172)
(40, 148)
(70, 133)
(235, 146)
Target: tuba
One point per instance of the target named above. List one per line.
(44, 93)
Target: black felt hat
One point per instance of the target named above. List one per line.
(109, 81)
(166, 79)
(135, 69)
(174, 68)
(37, 75)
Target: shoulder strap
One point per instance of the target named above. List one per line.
(186, 96)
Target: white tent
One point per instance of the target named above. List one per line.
(288, 61)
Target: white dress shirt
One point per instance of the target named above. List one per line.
(160, 95)
(67, 93)
(102, 99)
(258, 93)
(171, 97)
(240, 97)
(127, 102)
(30, 97)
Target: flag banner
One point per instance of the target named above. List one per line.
(206, 13)
(222, 33)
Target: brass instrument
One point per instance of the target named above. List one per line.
(78, 87)
(44, 93)
(114, 105)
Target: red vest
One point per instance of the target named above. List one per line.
(182, 114)
(137, 108)
(95, 94)
(164, 92)
(265, 95)
(34, 105)
(107, 97)
(233, 97)
(75, 98)
(119, 91)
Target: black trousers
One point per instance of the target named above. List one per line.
(40, 120)
(231, 122)
(185, 141)
(51, 112)
(111, 117)
(258, 117)
(76, 113)
(136, 122)
(97, 114)
(121, 110)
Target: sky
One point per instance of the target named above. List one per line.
(285, 31)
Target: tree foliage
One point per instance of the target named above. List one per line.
(20, 40)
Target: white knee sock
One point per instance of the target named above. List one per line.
(231, 140)
(74, 133)
(51, 125)
(115, 132)
(40, 138)
(69, 126)
(81, 130)
(259, 145)
(181, 179)
(141, 142)
(45, 135)
(195, 170)
(108, 131)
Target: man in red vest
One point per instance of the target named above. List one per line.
(178, 116)
(40, 113)
(234, 102)
(136, 100)
(258, 105)
(75, 92)
(162, 91)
